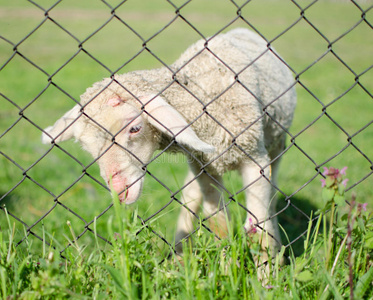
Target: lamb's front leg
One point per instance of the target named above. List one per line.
(207, 188)
(214, 208)
(192, 198)
(261, 207)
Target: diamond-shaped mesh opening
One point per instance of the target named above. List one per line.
(102, 47)
(76, 19)
(51, 52)
(18, 20)
(83, 66)
(34, 81)
(345, 16)
(337, 110)
(37, 47)
(21, 131)
(253, 14)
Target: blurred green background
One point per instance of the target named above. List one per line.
(49, 56)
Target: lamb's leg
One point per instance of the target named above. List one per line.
(213, 200)
(275, 156)
(214, 205)
(261, 205)
(192, 197)
(206, 188)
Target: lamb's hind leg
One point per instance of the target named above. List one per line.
(261, 206)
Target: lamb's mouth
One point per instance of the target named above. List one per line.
(124, 195)
(127, 193)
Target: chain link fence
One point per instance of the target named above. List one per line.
(51, 52)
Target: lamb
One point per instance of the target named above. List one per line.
(226, 103)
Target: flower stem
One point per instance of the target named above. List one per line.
(330, 235)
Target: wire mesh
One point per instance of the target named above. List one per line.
(58, 50)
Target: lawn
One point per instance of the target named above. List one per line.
(46, 63)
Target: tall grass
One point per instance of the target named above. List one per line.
(131, 268)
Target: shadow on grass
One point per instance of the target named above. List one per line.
(294, 222)
(9, 202)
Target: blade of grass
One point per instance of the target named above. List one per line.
(363, 284)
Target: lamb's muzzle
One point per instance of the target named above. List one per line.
(127, 191)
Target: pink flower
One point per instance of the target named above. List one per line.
(343, 171)
(252, 228)
(335, 175)
(344, 182)
(269, 287)
(322, 182)
(117, 236)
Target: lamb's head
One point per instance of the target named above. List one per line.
(122, 135)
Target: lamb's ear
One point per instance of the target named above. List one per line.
(169, 121)
(63, 129)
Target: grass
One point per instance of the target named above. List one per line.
(131, 267)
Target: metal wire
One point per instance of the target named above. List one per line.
(174, 196)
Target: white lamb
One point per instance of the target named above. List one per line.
(226, 103)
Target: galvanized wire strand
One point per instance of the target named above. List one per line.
(173, 194)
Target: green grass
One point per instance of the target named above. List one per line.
(50, 47)
(131, 268)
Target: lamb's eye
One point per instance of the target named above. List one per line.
(135, 129)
